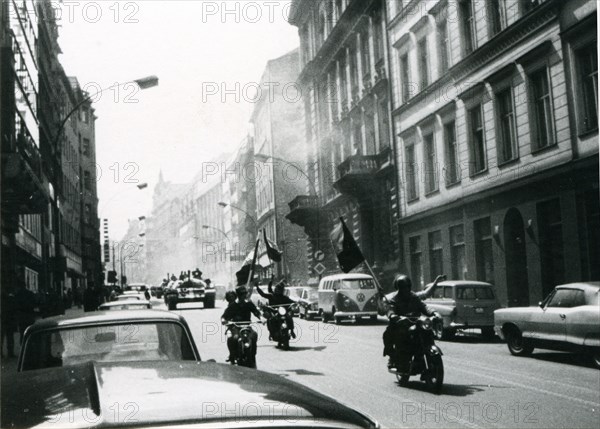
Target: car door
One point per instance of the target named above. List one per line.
(579, 318)
(550, 323)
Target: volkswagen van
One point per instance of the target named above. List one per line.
(347, 297)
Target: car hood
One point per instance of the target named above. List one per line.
(515, 310)
(162, 393)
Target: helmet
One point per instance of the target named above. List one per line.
(241, 290)
(402, 281)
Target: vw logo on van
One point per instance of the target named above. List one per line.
(360, 297)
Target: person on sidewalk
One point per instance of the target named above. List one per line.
(25, 306)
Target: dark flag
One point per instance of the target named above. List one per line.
(348, 252)
(272, 251)
(243, 275)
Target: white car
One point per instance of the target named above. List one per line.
(568, 319)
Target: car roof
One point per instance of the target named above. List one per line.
(165, 393)
(347, 276)
(105, 317)
(462, 283)
(586, 286)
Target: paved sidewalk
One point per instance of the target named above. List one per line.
(9, 365)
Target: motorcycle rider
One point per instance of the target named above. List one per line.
(396, 338)
(277, 298)
(239, 311)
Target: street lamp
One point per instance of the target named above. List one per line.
(223, 204)
(216, 229)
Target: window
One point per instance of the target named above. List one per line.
(567, 298)
(451, 169)
(416, 262)
(468, 26)
(457, 252)
(483, 250)
(477, 139)
(343, 82)
(85, 115)
(353, 63)
(542, 109)
(365, 54)
(411, 173)
(506, 136)
(551, 244)
(87, 180)
(86, 147)
(436, 254)
(378, 38)
(587, 59)
(87, 214)
(405, 77)
(384, 124)
(497, 16)
(528, 5)
(443, 46)
(431, 184)
(423, 63)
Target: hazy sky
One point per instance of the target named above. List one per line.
(195, 48)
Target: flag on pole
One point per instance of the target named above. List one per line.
(346, 249)
(273, 251)
(244, 273)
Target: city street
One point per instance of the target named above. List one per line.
(484, 385)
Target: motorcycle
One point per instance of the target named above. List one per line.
(426, 357)
(246, 346)
(279, 330)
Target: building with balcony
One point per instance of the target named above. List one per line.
(495, 116)
(25, 188)
(280, 158)
(347, 109)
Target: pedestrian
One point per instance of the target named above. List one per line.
(89, 299)
(25, 306)
(9, 322)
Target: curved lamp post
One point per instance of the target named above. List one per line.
(223, 204)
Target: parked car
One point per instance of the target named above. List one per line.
(136, 287)
(107, 336)
(347, 296)
(131, 296)
(194, 290)
(163, 394)
(463, 304)
(294, 292)
(309, 303)
(132, 304)
(568, 319)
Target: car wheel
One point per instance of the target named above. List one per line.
(172, 305)
(373, 319)
(209, 302)
(324, 317)
(488, 333)
(517, 346)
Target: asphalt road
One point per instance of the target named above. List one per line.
(484, 385)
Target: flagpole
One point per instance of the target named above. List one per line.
(249, 285)
(379, 288)
(267, 250)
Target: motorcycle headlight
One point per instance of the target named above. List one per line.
(247, 345)
(282, 311)
(229, 334)
(245, 334)
(426, 324)
(284, 325)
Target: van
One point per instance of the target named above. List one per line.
(347, 296)
(463, 304)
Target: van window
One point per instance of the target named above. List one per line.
(438, 292)
(357, 284)
(474, 293)
(448, 292)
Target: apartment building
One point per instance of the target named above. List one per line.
(495, 116)
(346, 90)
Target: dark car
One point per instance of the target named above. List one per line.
(107, 336)
(133, 304)
(194, 290)
(309, 303)
(161, 394)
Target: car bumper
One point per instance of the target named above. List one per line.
(469, 326)
(355, 314)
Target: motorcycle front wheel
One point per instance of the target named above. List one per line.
(435, 374)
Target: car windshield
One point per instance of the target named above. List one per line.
(123, 342)
(127, 297)
(357, 284)
(313, 294)
(474, 292)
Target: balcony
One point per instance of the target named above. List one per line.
(304, 211)
(23, 189)
(358, 173)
